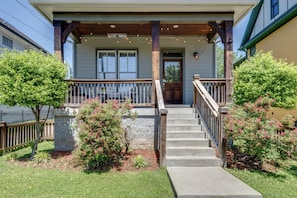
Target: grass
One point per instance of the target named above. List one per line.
(281, 184)
(20, 181)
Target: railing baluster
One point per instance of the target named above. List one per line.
(138, 90)
(208, 94)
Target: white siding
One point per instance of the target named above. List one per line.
(86, 57)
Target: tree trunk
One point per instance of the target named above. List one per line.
(36, 113)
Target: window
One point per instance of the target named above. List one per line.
(7, 42)
(113, 64)
(274, 8)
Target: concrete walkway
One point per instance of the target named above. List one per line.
(214, 182)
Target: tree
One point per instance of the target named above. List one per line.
(220, 60)
(32, 79)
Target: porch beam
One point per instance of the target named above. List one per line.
(228, 58)
(118, 17)
(58, 44)
(155, 57)
(216, 29)
(70, 27)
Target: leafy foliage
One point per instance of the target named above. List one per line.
(257, 136)
(33, 79)
(100, 132)
(42, 157)
(220, 60)
(140, 162)
(263, 75)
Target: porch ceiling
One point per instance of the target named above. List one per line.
(143, 29)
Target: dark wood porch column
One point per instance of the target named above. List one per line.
(226, 34)
(228, 59)
(58, 44)
(155, 57)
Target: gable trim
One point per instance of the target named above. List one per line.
(251, 24)
(282, 20)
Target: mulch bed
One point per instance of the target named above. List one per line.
(64, 160)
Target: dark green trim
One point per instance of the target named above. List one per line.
(283, 19)
(251, 24)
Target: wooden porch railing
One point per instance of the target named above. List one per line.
(137, 90)
(210, 113)
(216, 87)
(162, 124)
(19, 134)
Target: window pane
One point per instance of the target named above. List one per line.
(123, 62)
(106, 63)
(111, 62)
(172, 71)
(127, 75)
(110, 76)
(132, 62)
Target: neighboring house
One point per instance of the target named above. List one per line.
(123, 47)
(11, 38)
(272, 27)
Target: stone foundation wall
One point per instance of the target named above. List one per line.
(141, 132)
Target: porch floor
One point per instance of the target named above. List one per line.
(208, 182)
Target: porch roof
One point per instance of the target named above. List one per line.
(239, 8)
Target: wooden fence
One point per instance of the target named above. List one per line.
(19, 134)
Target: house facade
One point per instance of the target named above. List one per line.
(272, 27)
(123, 47)
(12, 38)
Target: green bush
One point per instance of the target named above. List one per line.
(140, 162)
(259, 137)
(263, 75)
(11, 156)
(40, 157)
(100, 132)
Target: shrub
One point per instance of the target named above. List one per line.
(100, 132)
(41, 157)
(140, 162)
(263, 75)
(257, 136)
(11, 156)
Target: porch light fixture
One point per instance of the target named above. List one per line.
(196, 54)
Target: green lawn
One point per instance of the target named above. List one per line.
(281, 184)
(18, 181)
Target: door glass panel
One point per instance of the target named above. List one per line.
(172, 71)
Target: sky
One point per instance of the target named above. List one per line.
(26, 19)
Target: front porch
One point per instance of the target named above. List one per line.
(209, 99)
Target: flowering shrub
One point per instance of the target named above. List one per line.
(100, 132)
(257, 136)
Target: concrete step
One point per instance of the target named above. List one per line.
(182, 121)
(178, 106)
(183, 127)
(180, 111)
(208, 182)
(184, 116)
(190, 142)
(190, 151)
(186, 134)
(192, 161)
